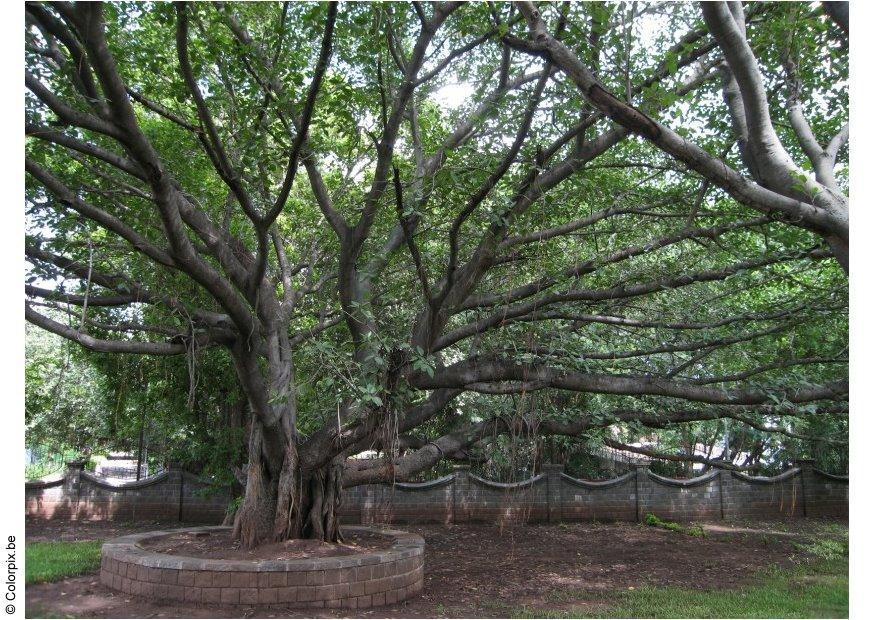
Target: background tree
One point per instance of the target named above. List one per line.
(281, 183)
(65, 398)
(184, 410)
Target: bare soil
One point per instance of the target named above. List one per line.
(40, 530)
(219, 545)
(486, 571)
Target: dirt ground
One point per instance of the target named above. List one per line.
(220, 545)
(482, 570)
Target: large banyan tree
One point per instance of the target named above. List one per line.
(390, 215)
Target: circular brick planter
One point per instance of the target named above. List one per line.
(351, 581)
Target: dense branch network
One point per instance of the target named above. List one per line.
(548, 236)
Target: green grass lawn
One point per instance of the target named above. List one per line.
(51, 561)
(817, 587)
(781, 595)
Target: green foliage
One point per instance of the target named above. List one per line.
(53, 561)
(48, 463)
(693, 530)
(582, 464)
(41, 469)
(62, 393)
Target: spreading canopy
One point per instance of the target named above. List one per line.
(395, 216)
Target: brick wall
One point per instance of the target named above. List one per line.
(461, 497)
(753, 496)
(825, 495)
(609, 500)
(681, 500)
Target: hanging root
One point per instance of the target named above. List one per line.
(389, 412)
(325, 497)
(191, 352)
(287, 521)
(331, 503)
(317, 483)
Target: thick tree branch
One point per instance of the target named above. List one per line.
(104, 346)
(466, 373)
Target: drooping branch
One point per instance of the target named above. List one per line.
(427, 453)
(65, 113)
(592, 265)
(667, 348)
(61, 139)
(105, 346)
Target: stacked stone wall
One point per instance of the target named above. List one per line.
(353, 582)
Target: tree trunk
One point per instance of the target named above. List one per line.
(284, 501)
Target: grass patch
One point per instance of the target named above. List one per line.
(817, 587)
(694, 530)
(825, 549)
(778, 596)
(52, 561)
(830, 544)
